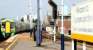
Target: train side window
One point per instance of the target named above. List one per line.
(12, 25)
(3, 25)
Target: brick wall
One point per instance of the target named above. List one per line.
(67, 25)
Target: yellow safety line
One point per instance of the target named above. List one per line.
(1, 49)
(8, 48)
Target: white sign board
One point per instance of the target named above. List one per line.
(82, 21)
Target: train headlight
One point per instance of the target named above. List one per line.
(3, 29)
(12, 30)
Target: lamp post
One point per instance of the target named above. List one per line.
(38, 30)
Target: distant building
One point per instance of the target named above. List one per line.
(67, 24)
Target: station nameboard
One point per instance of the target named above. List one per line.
(82, 21)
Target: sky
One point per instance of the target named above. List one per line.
(67, 5)
(13, 8)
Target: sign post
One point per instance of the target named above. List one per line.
(62, 41)
(74, 44)
(84, 46)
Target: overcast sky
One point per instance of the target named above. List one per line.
(13, 8)
(68, 4)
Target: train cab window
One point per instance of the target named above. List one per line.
(12, 25)
(3, 25)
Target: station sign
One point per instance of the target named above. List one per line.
(82, 21)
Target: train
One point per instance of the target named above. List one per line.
(7, 28)
(26, 26)
(11, 27)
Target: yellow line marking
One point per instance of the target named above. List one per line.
(1, 49)
(8, 48)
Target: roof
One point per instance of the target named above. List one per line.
(7, 20)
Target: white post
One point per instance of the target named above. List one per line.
(84, 45)
(54, 38)
(72, 44)
(62, 28)
(54, 34)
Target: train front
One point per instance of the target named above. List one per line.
(7, 28)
